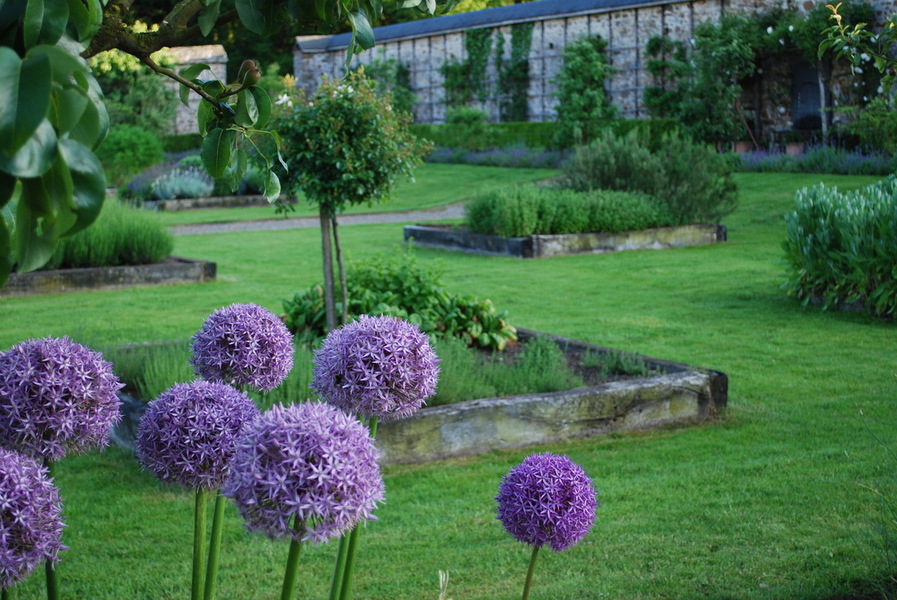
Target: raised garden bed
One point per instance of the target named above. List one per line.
(671, 393)
(538, 246)
(173, 270)
(677, 393)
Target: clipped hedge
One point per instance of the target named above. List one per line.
(520, 211)
(841, 248)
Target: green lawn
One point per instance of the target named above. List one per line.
(769, 502)
(434, 185)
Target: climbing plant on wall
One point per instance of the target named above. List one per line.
(466, 80)
(583, 105)
(513, 75)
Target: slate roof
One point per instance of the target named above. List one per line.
(490, 17)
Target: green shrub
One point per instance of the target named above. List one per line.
(396, 285)
(583, 103)
(876, 125)
(127, 150)
(122, 235)
(842, 247)
(183, 142)
(693, 182)
(520, 211)
(183, 182)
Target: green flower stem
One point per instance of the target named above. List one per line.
(340, 568)
(51, 574)
(292, 571)
(529, 574)
(346, 587)
(199, 543)
(215, 547)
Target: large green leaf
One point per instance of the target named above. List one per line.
(64, 63)
(24, 98)
(209, 16)
(272, 186)
(89, 183)
(247, 109)
(252, 15)
(263, 102)
(362, 32)
(37, 230)
(86, 16)
(191, 73)
(7, 187)
(45, 21)
(67, 105)
(94, 122)
(217, 151)
(5, 251)
(34, 158)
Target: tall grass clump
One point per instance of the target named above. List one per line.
(841, 248)
(691, 180)
(122, 235)
(519, 211)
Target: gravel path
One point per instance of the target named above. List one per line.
(450, 211)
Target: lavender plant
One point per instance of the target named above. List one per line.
(243, 345)
(30, 520)
(305, 472)
(546, 500)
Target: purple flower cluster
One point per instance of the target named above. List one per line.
(30, 517)
(56, 397)
(188, 435)
(310, 462)
(547, 499)
(379, 367)
(243, 345)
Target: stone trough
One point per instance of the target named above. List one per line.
(539, 246)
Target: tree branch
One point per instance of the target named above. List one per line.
(148, 61)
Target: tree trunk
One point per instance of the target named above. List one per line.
(327, 255)
(344, 315)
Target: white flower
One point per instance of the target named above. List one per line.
(781, 110)
(769, 30)
(791, 28)
(283, 99)
(858, 70)
(781, 41)
(880, 90)
(865, 57)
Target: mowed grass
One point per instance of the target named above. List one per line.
(768, 502)
(433, 185)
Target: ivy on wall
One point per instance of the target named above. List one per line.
(513, 75)
(466, 80)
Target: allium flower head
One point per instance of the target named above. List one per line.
(188, 435)
(243, 344)
(547, 499)
(376, 367)
(56, 397)
(30, 517)
(309, 461)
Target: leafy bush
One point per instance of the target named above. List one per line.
(183, 182)
(842, 247)
(182, 142)
(519, 211)
(127, 150)
(122, 235)
(693, 182)
(876, 125)
(583, 103)
(396, 285)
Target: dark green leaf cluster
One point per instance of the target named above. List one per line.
(583, 103)
(522, 211)
(841, 247)
(51, 118)
(464, 80)
(691, 180)
(396, 285)
(513, 74)
(346, 145)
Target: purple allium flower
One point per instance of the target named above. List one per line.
(56, 397)
(243, 344)
(376, 367)
(309, 461)
(30, 517)
(188, 435)
(547, 499)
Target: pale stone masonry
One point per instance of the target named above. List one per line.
(212, 55)
(626, 25)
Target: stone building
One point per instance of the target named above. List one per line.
(184, 56)
(626, 25)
